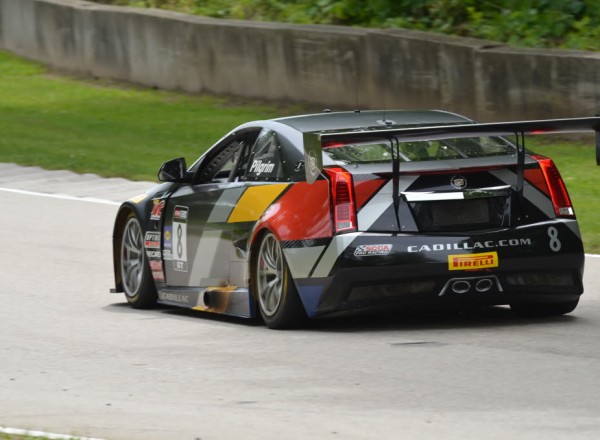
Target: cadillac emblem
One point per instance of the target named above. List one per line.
(458, 182)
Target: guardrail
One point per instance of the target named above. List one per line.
(337, 67)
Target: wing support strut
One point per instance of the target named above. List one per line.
(395, 144)
(520, 141)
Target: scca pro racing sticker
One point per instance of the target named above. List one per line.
(179, 238)
(366, 250)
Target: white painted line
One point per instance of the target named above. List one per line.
(61, 196)
(107, 202)
(48, 435)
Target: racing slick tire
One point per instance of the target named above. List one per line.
(277, 298)
(532, 310)
(137, 281)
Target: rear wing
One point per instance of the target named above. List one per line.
(313, 152)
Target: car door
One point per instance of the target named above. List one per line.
(208, 222)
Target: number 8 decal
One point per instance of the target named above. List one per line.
(180, 218)
(555, 243)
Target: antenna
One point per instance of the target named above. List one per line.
(357, 108)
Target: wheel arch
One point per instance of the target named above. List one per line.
(255, 240)
(123, 214)
(289, 310)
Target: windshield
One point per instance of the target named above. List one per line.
(441, 149)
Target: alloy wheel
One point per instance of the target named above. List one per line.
(132, 257)
(270, 275)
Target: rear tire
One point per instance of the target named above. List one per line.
(136, 278)
(278, 300)
(527, 310)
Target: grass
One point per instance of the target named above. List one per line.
(16, 437)
(59, 122)
(110, 129)
(576, 161)
(4, 436)
(19, 437)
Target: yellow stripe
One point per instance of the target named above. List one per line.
(138, 199)
(221, 288)
(254, 201)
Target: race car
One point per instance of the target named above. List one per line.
(303, 216)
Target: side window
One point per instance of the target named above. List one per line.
(228, 162)
(230, 170)
(237, 165)
(265, 160)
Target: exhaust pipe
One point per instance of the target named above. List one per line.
(484, 285)
(461, 286)
(474, 284)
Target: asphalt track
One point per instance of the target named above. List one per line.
(76, 360)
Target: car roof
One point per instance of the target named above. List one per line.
(380, 119)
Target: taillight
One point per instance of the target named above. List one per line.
(556, 187)
(342, 200)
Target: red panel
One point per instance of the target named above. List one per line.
(301, 213)
(536, 177)
(365, 189)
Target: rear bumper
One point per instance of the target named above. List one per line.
(418, 269)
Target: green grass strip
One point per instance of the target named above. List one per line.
(576, 161)
(59, 122)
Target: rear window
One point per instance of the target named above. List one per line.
(442, 149)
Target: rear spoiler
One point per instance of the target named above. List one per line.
(313, 153)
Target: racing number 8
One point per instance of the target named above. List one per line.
(555, 243)
(179, 244)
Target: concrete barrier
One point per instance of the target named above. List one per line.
(337, 67)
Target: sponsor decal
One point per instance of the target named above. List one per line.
(167, 254)
(168, 237)
(313, 163)
(458, 182)
(158, 275)
(183, 298)
(157, 209)
(180, 213)
(153, 255)
(259, 167)
(365, 250)
(152, 240)
(468, 246)
(152, 245)
(155, 266)
(473, 261)
(179, 238)
(313, 157)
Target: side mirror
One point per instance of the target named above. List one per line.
(173, 171)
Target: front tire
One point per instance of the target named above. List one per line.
(136, 278)
(278, 300)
